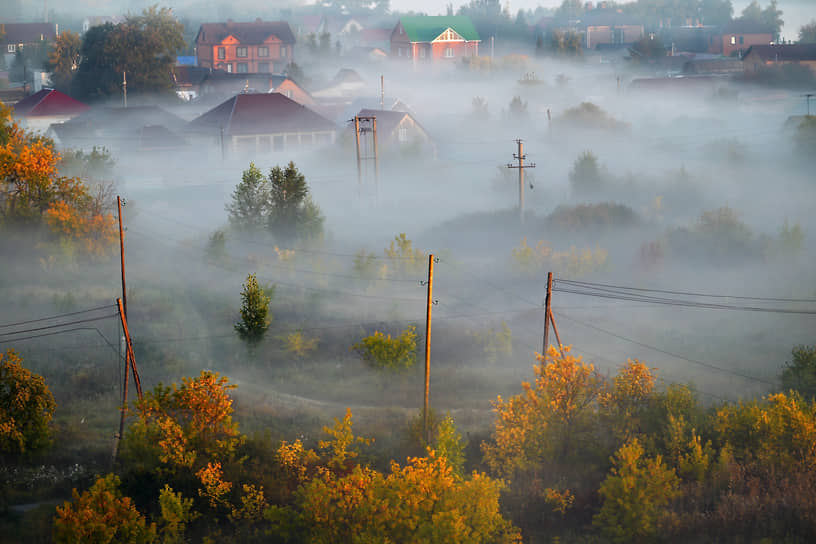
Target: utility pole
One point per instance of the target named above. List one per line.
(223, 151)
(359, 168)
(520, 156)
(124, 86)
(376, 156)
(130, 366)
(807, 99)
(547, 314)
(122, 254)
(364, 125)
(555, 329)
(382, 92)
(425, 427)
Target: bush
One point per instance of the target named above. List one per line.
(592, 216)
(384, 352)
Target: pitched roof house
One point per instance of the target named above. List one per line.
(435, 38)
(18, 35)
(39, 110)
(195, 82)
(609, 27)
(263, 122)
(260, 46)
(398, 131)
(737, 36)
(759, 56)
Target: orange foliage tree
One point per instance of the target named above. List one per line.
(101, 515)
(32, 192)
(26, 407)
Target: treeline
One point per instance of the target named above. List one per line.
(574, 456)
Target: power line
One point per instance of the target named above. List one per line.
(659, 350)
(62, 332)
(89, 320)
(684, 293)
(6, 325)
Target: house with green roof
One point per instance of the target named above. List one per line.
(434, 39)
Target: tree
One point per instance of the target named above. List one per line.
(101, 515)
(647, 49)
(383, 352)
(183, 427)
(807, 33)
(254, 311)
(635, 494)
(249, 208)
(26, 407)
(771, 16)
(292, 214)
(716, 12)
(63, 61)
(143, 46)
(32, 193)
(567, 43)
(586, 175)
(800, 374)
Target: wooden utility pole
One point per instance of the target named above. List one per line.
(425, 427)
(520, 156)
(363, 125)
(555, 329)
(130, 366)
(547, 314)
(124, 86)
(359, 166)
(122, 253)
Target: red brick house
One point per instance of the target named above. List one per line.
(434, 39)
(737, 36)
(258, 47)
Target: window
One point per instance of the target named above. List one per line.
(399, 51)
(284, 51)
(229, 67)
(742, 40)
(241, 52)
(263, 51)
(222, 53)
(449, 52)
(263, 67)
(403, 134)
(287, 93)
(733, 40)
(12, 48)
(242, 68)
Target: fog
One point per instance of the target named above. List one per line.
(667, 155)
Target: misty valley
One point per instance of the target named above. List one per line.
(353, 273)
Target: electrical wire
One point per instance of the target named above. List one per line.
(665, 352)
(6, 325)
(684, 293)
(62, 332)
(89, 320)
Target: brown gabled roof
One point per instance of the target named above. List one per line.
(247, 33)
(794, 52)
(388, 120)
(48, 102)
(262, 113)
(28, 32)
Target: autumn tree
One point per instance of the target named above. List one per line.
(586, 175)
(26, 407)
(807, 33)
(183, 427)
(635, 495)
(33, 193)
(102, 515)
(254, 310)
(63, 61)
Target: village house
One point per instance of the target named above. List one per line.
(257, 47)
(434, 39)
(16, 36)
(264, 122)
(195, 82)
(609, 27)
(736, 37)
(759, 56)
(398, 131)
(46, 107)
